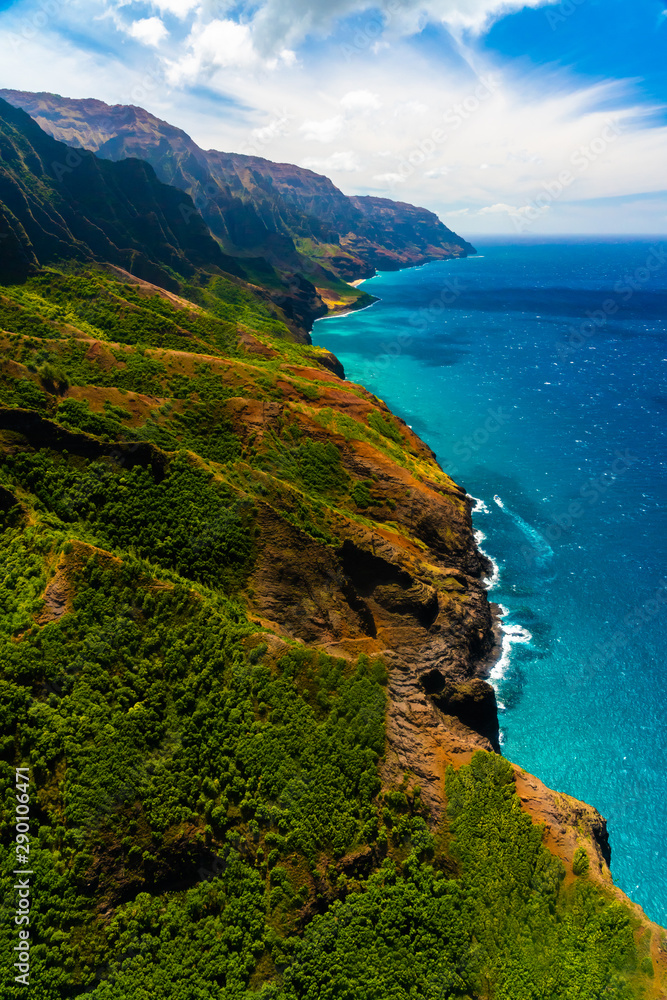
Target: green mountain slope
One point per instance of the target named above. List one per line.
(64, 204)
(243, 639)
(292, 217)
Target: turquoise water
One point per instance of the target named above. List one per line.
(537, 373)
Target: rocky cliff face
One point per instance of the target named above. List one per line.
(57, 203)
(294, 218)
(167, 462)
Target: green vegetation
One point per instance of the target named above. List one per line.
(361, 494)
(314, 465)
(176, 516)
(386, 427)
(210, 819)
(580, 863)
(101, 307)
(176, 742)
(502, 927)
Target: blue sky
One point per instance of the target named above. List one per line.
(501, 116)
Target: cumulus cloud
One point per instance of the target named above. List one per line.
(265, 33)
(360, 101)
(410, 109)
(148, 30)
(498, 209)
(222, 44)
(344, 162)
(288, 22)
(390, 179)
(513, 210)
(180, 8)
(421, 134)
(323, 131)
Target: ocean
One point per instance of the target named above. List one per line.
(537, 373)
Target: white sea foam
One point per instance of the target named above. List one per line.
(512, 633)
(489, 581)
(542, 551)
(480, 507)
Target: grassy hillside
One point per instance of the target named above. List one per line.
(212, 550)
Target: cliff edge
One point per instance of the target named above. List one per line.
(244, 643)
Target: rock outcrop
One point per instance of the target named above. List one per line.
(345, 533)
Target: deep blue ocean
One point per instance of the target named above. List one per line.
(537, 373)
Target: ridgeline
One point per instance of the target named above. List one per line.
(243, 645)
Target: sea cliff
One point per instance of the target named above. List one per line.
(290, 230)
(244, 647)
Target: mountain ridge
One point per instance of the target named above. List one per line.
(244, 643)
(61, 202)
(251, 204)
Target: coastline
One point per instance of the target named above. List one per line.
(481, 668)
(346, 311)
(570, 822)
(492, 667)
(262, 671)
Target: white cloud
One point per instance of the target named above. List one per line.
(217, 45)
(360, 101)
(148, 31)
(523, 156)
(323, 131)
(456, 213)
(420, 134)
(411, 108)
(513, 210)
(180, 8)
(390, 179)
(497, 209)
(267, 133)
(346, 162)
(221, 44)
(475, 15)
(288, 22)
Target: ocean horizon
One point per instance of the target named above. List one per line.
(536, 370)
